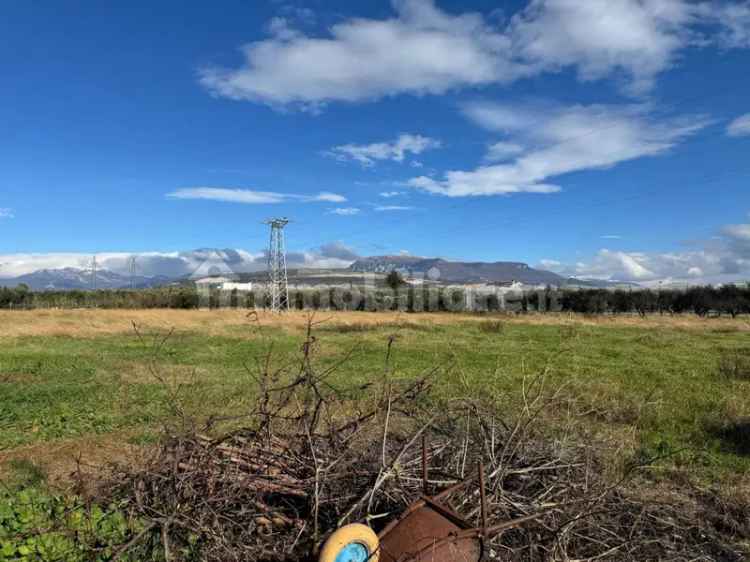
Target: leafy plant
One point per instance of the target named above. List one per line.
(38, 526)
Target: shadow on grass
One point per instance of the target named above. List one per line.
(734, 437)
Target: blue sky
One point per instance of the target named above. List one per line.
(600, 138)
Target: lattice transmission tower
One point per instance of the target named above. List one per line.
(277, 265)
(132, 270)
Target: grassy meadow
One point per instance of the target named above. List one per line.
(88, 385)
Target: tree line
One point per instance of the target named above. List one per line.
(728, 299)
(701, 300)
(22, 297)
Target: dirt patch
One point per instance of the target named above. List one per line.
(61, 460)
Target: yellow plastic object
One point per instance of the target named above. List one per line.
(351, 543)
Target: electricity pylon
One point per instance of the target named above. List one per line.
(132, 271)
(277, 265)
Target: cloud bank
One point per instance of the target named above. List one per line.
(725, 259)
(425, 50)
(176, 264)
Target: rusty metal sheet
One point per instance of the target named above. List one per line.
(425, 534)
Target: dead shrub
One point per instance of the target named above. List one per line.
(311, 457)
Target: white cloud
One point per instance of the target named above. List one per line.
(176, 264)
(560, 140)
(425, 50)
(638, 38)
(738, 239)
(421, 50)
(396, 150)
(12, 265)
(149, 263)
(739, 127)
(385, 208)
(251, 197)
(629, 266)
(304, 16)
(502, 150)
(611, 237)
(280, 28)
(326, 196)
(6, 213)
(735, 19)
(344, 211)
(482, 181)
(638, 267)
(720, 260)
(740, 232)
(389, 194)
(228, 195)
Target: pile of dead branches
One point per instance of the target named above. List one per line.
(311, 456)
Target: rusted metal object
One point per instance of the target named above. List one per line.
(431, 531)
(428, 531)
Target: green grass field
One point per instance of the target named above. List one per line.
(82, 388)
(642, 388)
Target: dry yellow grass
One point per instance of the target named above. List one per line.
(91, 322)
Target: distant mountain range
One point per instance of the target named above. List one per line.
(71, 278)
(446, 271)
(435, 269)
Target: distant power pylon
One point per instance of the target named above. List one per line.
(93, 273)
(132, 272)
(277, 266)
